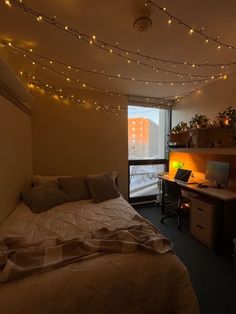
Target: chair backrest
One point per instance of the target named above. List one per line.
(172, 190)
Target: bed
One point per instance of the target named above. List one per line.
(141, 281)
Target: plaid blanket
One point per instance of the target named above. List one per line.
(18, 258)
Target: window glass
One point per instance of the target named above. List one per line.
(149, 133)
(144, 181)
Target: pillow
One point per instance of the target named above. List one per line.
(75, 186)
(102, 187)
(38, 180)
(43, 197)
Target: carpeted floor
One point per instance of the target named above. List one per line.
(213, 275)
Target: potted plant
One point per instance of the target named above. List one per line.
(180, 127)
(178, 135)
(199, 121)
(227, 118)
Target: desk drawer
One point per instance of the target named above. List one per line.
(202, 229)
(203, 208)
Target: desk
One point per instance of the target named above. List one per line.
(222, 194)
(222, 204)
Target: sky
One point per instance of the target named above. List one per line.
(142, 112)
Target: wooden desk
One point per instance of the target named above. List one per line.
(222, 194)
(223, 214)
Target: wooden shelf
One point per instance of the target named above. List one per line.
(218, 151)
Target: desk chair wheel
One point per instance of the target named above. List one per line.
(172, 215)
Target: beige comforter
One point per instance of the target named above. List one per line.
(137, 282)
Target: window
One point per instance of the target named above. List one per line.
(148, 152)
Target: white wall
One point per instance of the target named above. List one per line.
(15, 155)
(212, 99)
(68, 139)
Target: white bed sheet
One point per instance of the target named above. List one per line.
(140, 282)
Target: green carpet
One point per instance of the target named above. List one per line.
(213, 275)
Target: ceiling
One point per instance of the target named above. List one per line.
(112, 21)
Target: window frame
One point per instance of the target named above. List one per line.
(144, 162)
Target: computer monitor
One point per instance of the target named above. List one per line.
(182, 175)
(218, 172)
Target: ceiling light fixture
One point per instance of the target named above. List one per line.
(142, 24)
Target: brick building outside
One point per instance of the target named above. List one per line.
(142, 138)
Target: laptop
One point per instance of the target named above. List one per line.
(182, 175)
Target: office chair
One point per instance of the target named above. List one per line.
(175, 204)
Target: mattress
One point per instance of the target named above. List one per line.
(137, 282)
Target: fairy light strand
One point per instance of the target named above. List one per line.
(112, 48)
(59, 94)
(167, 100)
(29, 53)
(108, 108)
(62, 95)
(190, 28)
(83, 85)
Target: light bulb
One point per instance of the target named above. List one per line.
(8, 3)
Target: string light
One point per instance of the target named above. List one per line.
(117, 50)
(51, 90)
(39, 18)
(8, 3)
(24, 52)
(108, 108)
(190, 28)
(167, 100)
(156, 69)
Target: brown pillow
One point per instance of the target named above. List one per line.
(38, 180)
(75, 186)
(43, 197)
(102, 187)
